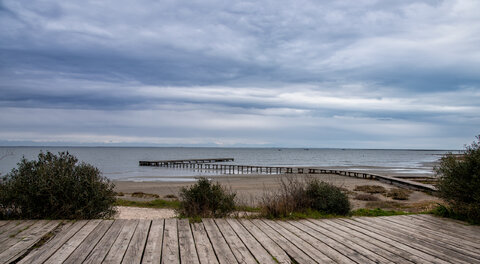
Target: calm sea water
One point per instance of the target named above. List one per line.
(121, 163)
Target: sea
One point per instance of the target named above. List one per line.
(121, 163)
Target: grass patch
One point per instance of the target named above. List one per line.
(366, 197)
(383, 204)
(376, 212)
(250, 209)
(370, 188)
(398, 194)
(157, 203)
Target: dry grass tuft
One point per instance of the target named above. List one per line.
(399, 194)
(303, 195)
(370, 188)
(366, 197)
(145, 195)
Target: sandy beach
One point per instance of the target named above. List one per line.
(251, 187)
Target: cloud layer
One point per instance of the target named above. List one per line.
(371, 74)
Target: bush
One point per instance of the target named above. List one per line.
(459, 182)
(205, 199)
(297, 196)
(55, 187)
(327, 198)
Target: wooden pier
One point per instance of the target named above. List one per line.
(168, 163)
(209, 165)
(392, 239)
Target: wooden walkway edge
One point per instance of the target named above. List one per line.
(393, 239)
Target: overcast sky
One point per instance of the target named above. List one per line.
(346, 74)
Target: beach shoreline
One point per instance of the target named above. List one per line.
(250, 188)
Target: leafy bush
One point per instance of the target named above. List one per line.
(326, 198)
(459, 182)
(205, 199)
(296, 196)
(55, 187)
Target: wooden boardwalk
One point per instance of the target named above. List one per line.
(394, 239)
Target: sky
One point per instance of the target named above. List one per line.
(326, 74)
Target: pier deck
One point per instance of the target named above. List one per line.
(393, 239)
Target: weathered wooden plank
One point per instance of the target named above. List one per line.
(9, 225)
(137, 244)
(27, 241)
(294, 252)
(314, 253)
(335, 250)
(170, 251)
(19, 231)
(415, 255)
(414, 248)
(260, 254)
(2, 223)
(266, 242)
(452, 227)
(205, 251)
(455, 224)
(188, 253)
(153, 247)
(40, 255)
(101, 249)
(14, 228)
(394, 254)
(223, 252)
(238, 248)
(119, 247)
(412, 225)
(61, 255)
(402, 232)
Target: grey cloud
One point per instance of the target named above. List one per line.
(396, 65)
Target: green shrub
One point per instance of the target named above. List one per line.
(55, 187)
(327, 198)
(296, 196)
(459, 182)
(205, 199)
